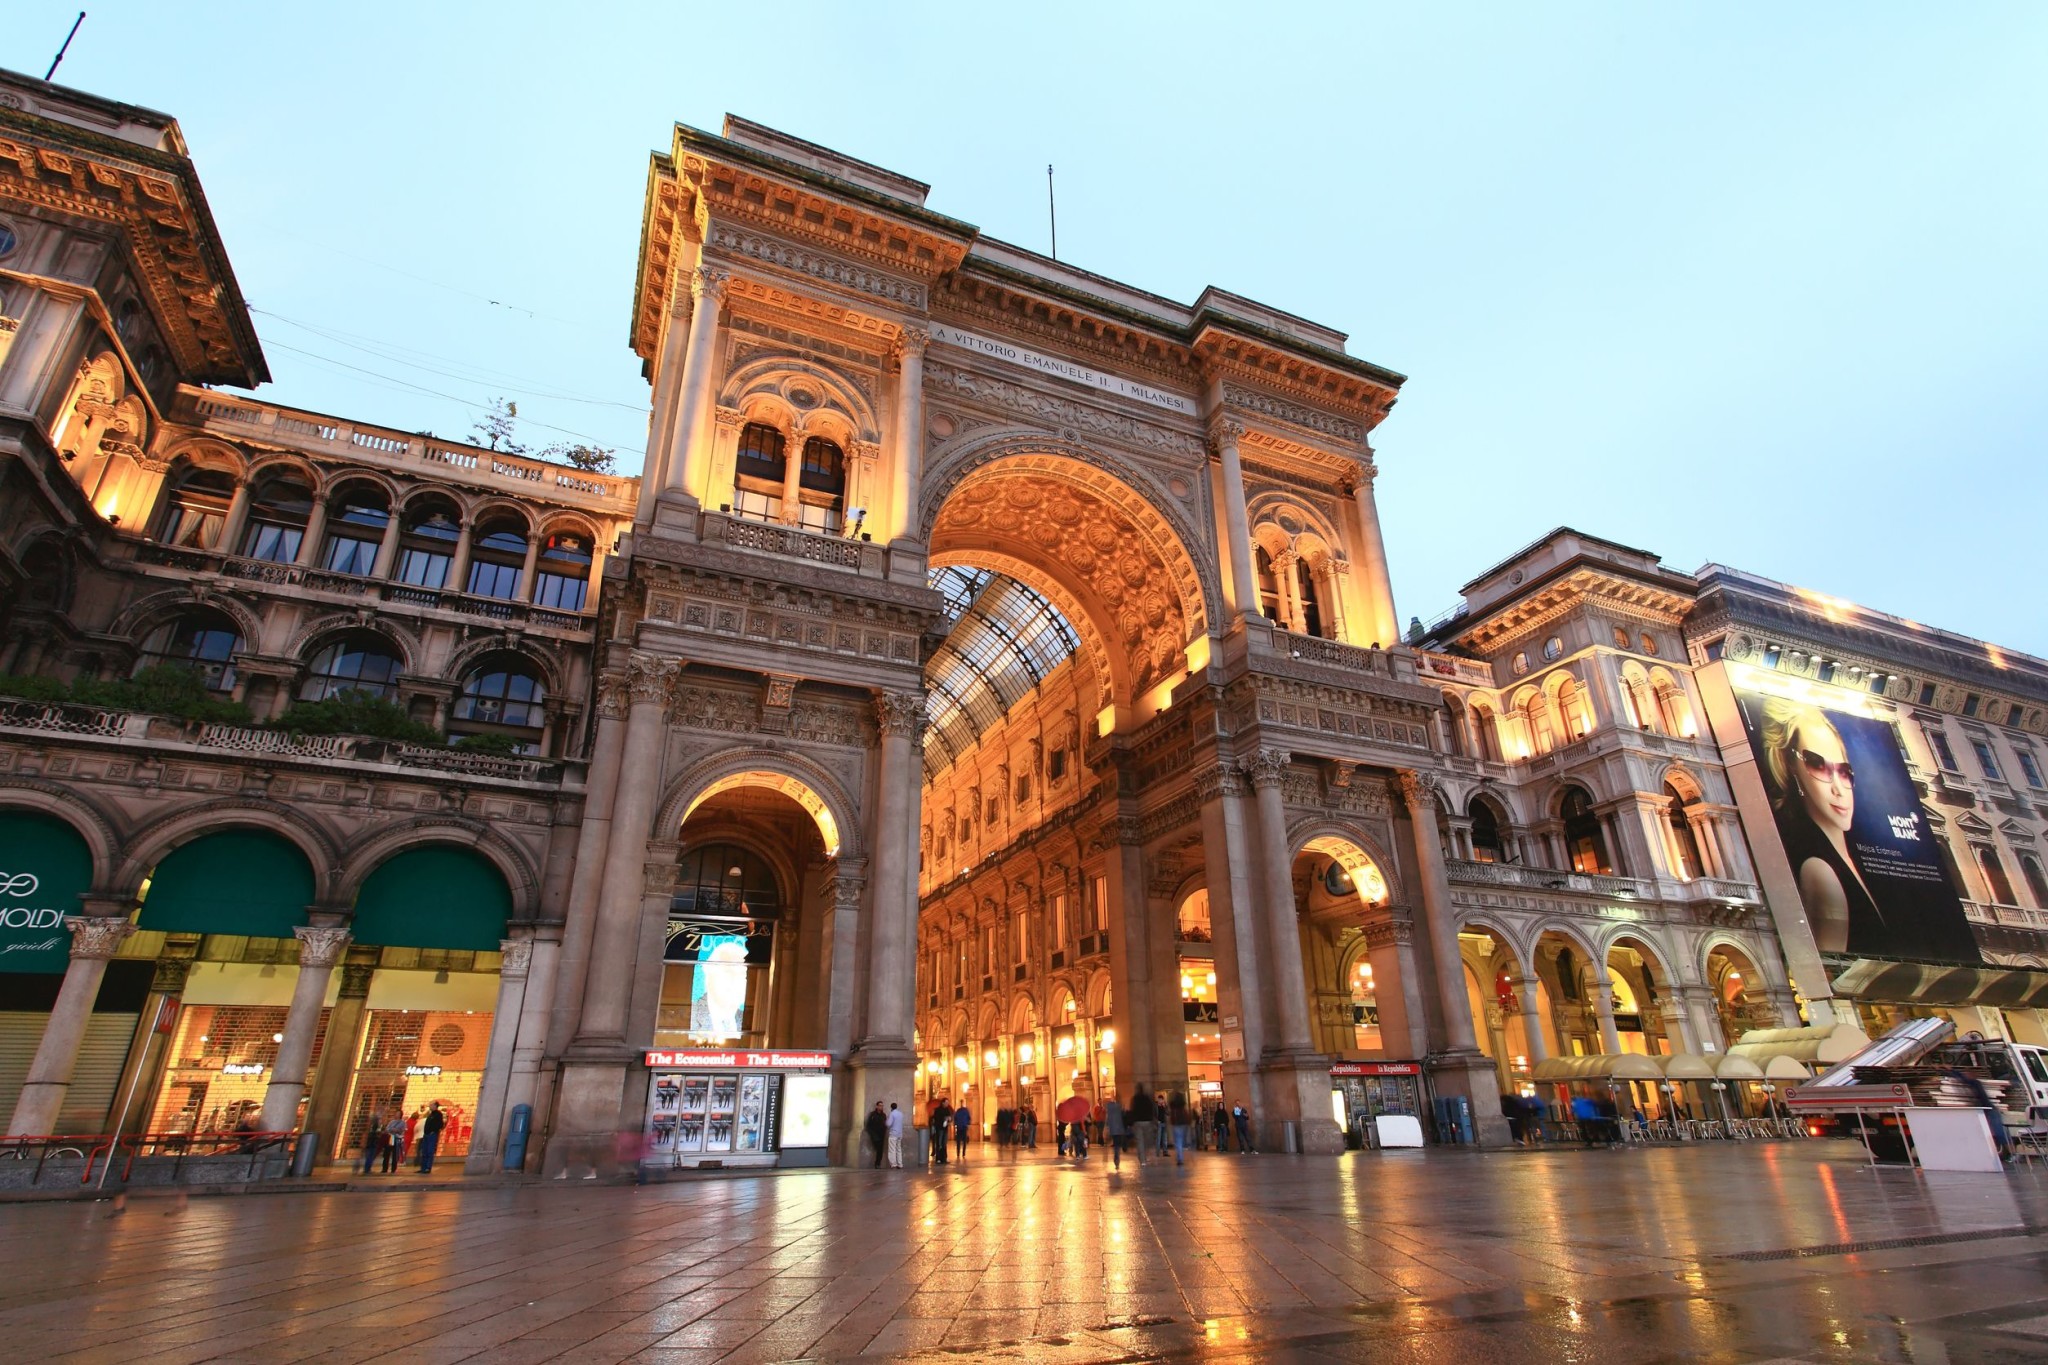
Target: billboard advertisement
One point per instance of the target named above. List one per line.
(1870, 877)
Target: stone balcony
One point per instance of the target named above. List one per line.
(163, 735)
(1551, 879)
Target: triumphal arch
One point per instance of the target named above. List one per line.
(1001, 689)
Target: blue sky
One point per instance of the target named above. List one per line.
(1754, 283)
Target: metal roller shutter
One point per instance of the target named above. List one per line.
(101, 1055)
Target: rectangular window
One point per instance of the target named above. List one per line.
(423, 568)
(494, 580)
(358, 557)
(1986, 760)
(1994, 874)
(195, 528)
(1877, 683)
(1827, 670)
(1944, 755)
(2030, 767)
(1927, 694)
(1098, 906)
(560, 592)
(1970, 704)
(1024, 788)
(1715, 649)
(2014, 718)
(1059, 921)
(276, 544)
(757, 506)
(824, 520)
(1771, 656)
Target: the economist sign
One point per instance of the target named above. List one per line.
(736, 1059)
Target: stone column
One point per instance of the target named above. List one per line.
(882, 1065)
(526, 574)
(906, 448)
(237, 517)
(792, 477)
(686, 456)
(1131, 955)
(1532, 1020)
(840, 946)
(387, 547)
(137, 1087)
(1381, 624)
(319, 949)
(617, 929)
(580, 919)
(522, 1085)
(1336, 621)
(316, 529)
(1461, 1068)
(94, 939)
(1397, 989)
(505, 1020)
(458, 565)
(667, 393)
(1244, 584)
(726, 426)
(1241, 995)
(1287, 578)
(1603, 1010)
(325, 1112)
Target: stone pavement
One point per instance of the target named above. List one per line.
(1717, 1252)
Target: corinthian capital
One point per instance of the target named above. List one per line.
(1223, 780)
(1224, 431)
(1267, 768)
(911, 341)
(648, 678)
(518, 956)
(709, 282)
(1418, 789)
(93, 936)
(614, 697)
(320, 947)
(899, 713)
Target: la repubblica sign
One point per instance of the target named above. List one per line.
(44, 868)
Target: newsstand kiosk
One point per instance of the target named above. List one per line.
(738, 1107)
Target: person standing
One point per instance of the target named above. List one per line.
(1115, 1127)
(412, 1131)
(430, 1135)
(1006, 1120)
(373, 1138)
(941, 1120)
(963, 1124)
(1241, 1119)
(1030, 1126)
(1177, 1114)
(895, 1130)
(1220, 1122)
(394, 1141)
(877, 1130)
(1144, 1117)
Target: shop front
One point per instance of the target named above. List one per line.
(1362, 1093)
(712, 1107)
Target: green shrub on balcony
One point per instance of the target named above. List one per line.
(497, 746)
(162, 690)
(356, 713)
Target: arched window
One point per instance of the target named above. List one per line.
(1571, 704)
(426, 547)
(1635, 699)
(1685, 847)
(2037, 884)
(1535, 709)
(562, 579)
(1584, 841)
(357, 662)
(822, 486)
(1487, 728)
(1311, 622)
(1454, 723)
(496, 559)
(355, 529)
(759, 472)
(1487, 844)
(503, 694)
(1269, 583)
(277, 521)
(196, 508)
(204, 641)
(1674, 712)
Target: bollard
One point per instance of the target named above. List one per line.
(304, 1154)
(517, 1131)
(1290, 1138)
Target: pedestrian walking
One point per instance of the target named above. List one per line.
(941, 1119)
(1144, 1117)
(1073, 1112)
(394, 1142)
(877, 1130)
(1178, 1115)
(963, 1124)
(373, 1138)
(1116, 1129)
(430, 1135)
(895, 1129)
(1030, 1127)
(1241, 1119)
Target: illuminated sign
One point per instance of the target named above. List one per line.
(423, 1071)
(1375, 1068)
(242, 1069)
(739, 1059)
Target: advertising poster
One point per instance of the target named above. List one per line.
(1870, 877)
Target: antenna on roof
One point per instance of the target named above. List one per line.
(67, 45)
(1051, 212)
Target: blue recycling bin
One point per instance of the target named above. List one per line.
(1454, 1119)
(517, 1131)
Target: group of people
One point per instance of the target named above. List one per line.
(1145, 1124)
(391, 1135)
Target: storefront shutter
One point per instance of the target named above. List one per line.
(434, 897)
(238, 881)
(101, 1054)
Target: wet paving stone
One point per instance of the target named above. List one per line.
(1727, 1253)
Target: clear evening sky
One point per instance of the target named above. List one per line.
(1756, 283)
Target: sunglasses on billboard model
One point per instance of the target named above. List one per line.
(1823, 769)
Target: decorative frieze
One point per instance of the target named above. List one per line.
(1296, 414)
(818, 265)
(1059, 412)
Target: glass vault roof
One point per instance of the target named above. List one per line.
(1005, 639)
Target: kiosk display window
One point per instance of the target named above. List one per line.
(706, 1105)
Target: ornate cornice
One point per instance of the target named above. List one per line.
(1295, 414)
(830, 268)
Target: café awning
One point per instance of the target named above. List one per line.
(1606, 1066)
(1814, 1048)
(1926, 983)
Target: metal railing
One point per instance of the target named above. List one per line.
(101, 1152)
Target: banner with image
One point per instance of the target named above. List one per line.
(1870, 877)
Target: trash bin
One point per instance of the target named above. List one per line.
(1289, 1136)
(517, 1131)
(304, 1154)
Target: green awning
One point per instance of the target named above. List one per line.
(44, 867)
(238, 881)
(434, 897)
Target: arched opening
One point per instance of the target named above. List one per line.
(432, 529)
(278, 512)
(357, 518)
(1585, 840)
(1311, 621)
(821, 486)
(1269, 585)
(1674, 708)
(497, 557)
(562, 581)
(195, 507)
(356, 661)
(1685, 844)
(760, 473)
(1642, 997)
(1510, 1008)
(204, 640)
(502, 694)
(1341, 898)
(1740, 1001)
(1489, 842)
(1486, 727)
(1572, 706)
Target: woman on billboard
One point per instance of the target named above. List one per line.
(1813, 792)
